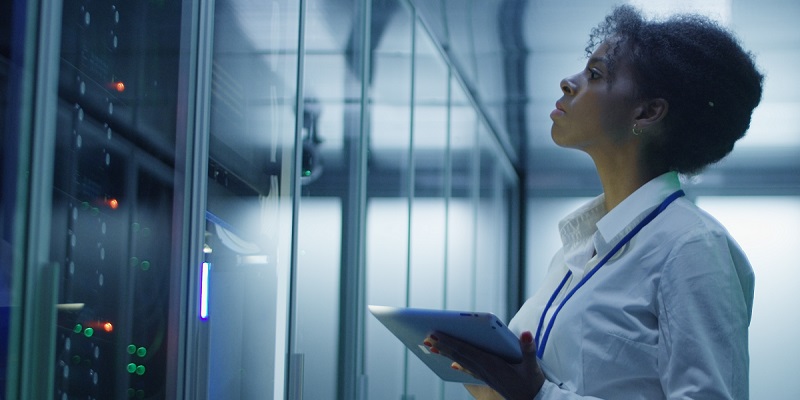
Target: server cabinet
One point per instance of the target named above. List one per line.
(112, 202)
(154, 268)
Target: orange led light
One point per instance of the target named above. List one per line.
(105, 326)
(119, 86)
(113, 203)
(105, 201)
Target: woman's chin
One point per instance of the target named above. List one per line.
(559, 137)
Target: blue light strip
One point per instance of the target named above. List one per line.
(204, 290)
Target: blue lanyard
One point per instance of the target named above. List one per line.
(541, 344)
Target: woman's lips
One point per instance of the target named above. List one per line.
(558, 112)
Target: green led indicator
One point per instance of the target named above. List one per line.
(145, 265)
(140, 394)
(306, 173)
(140, 370)
(141, 352)
(76, 360)
(88, 332)
(134, 261)
(131, 349)
(131, 392)
(131, 368)
(78, 328)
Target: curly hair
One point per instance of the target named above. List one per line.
(710, 83)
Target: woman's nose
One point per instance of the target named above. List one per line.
(567, 86)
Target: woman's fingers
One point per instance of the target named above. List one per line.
(452, 348)
(526, 342)
(467, 358)
(512, 380)
(456, 366)
(480, 392)
(429, 342)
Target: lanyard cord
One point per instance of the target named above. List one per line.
(541, 345)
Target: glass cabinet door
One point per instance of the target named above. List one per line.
(324, 328)
(428, 212)
(388, 178)
(250, 183)
(112, 215)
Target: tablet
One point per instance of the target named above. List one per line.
(481, 329)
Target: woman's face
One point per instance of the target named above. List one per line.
(594, 115)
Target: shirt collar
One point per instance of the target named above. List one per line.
(635, 206)
(580, 224)
(576, 231)
(591, 228)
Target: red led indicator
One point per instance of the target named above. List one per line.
(119, 86)
(105, 326)
(113, 203)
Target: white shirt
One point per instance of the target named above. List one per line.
(666, 317)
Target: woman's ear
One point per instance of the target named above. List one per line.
(652, 111)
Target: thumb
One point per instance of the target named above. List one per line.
(526, 342)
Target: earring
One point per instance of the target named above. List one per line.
(635, 132)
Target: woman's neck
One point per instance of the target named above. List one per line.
(616, 190)
(620, 179)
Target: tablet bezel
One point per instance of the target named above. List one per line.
(481, 329)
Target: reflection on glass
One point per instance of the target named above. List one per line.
(248, 228)
(113, 197)
(429, 141)
(462, 204)
(388, 203)
(327, 284)
(318, 282)
(429, 145)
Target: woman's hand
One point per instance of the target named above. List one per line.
(513, 381)
(480, 392)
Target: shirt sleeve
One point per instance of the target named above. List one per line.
(704, 305)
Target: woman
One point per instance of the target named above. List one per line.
(649, 297)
